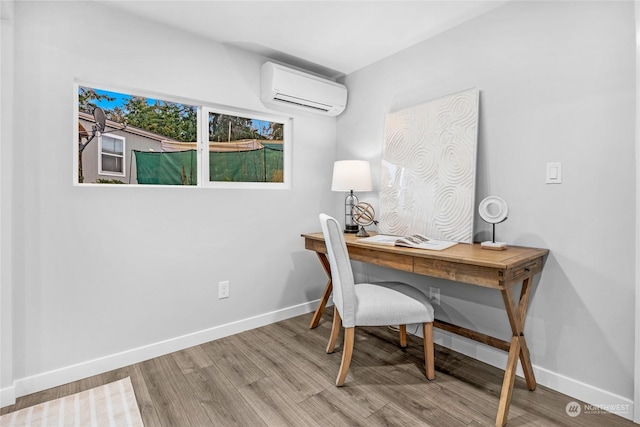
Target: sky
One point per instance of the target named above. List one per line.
(119, 101)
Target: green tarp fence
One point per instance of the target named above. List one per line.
(176, 168)
(180, 167)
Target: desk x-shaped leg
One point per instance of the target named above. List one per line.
(327, 291)
(517, 350)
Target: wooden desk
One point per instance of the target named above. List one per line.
(465, 263)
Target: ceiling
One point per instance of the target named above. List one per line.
(333, 38)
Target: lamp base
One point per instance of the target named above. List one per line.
(351, 229)
(494, 246)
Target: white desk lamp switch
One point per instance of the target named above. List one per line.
(554, 173)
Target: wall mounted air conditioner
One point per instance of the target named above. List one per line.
(288, 87)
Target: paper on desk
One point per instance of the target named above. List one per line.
(381, 239)
(417, 241)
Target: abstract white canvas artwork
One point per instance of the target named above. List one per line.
(429, 168)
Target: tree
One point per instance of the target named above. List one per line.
(87, 99)
(173, 120)
(224, 128)
(276, 131)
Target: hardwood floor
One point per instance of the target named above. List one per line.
(280, 375)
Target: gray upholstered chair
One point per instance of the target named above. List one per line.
(371, 304)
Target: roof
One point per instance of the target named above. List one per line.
(129, 129)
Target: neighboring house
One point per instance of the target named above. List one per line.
(110, 156)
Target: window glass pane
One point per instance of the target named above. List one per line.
(108, 145)
(150, 126)
(112, 164)
(111, 145)
(243, 149)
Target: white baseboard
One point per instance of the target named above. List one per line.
(57, 377)
(580, 391)
(7, 396)
(596, 398)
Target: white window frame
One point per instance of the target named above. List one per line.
(100, 154)
(286, 147)
(203, 110)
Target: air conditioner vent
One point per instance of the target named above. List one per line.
(302, 102)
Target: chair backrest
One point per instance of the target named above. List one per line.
(344, 296)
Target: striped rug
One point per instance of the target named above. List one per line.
(112, 405)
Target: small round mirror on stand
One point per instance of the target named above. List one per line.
(493, 210)
(363, 214)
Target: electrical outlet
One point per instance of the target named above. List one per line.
(223, 289)
(434, 295)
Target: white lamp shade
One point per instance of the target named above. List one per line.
(351, 175)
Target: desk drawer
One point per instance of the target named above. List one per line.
(381, 258)
(315, 245)
(521, 272)
(466, 273)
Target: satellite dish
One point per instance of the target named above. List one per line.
(101, 119)
(493, 210)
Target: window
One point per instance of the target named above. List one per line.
(178, 142)
(111, 160)
(244, 149)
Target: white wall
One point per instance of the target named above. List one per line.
(77, 307)
(6, 134)
(557, 83)
(637, 158)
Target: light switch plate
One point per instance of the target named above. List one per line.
(554, 173)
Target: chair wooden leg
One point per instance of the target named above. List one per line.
(403, 336)
(335, 330)
(429, 354)
(347, 351)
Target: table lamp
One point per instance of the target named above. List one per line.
(351, 175)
